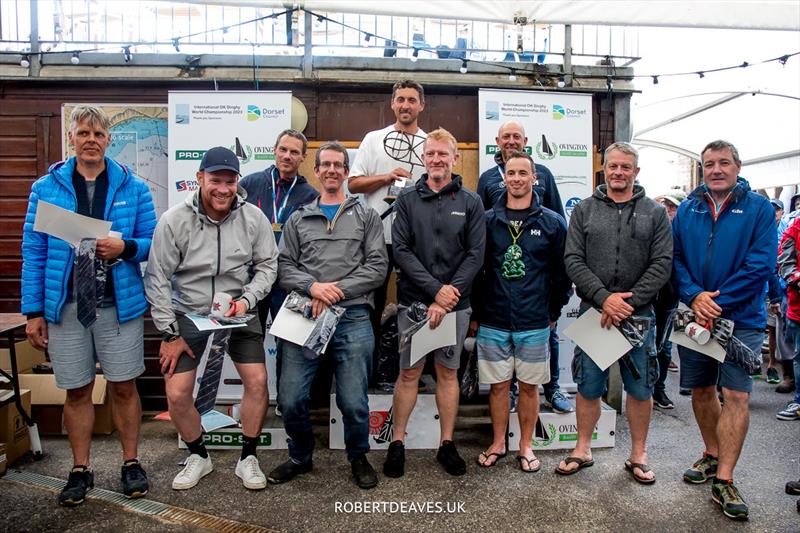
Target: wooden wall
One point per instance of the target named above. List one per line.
(30, 140)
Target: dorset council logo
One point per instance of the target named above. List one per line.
(558, 112)
(253, 113)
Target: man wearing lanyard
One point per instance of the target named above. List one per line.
(278, 191)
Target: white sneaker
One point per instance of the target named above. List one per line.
(196, 468)
(250, 473)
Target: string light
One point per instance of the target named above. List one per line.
(126, 53)
(25, 62)
(415, 55)
(655, 80)
(513, 75)
(701, 74)
(75, 59)
(463, 68)
(175, 42)
(367, 37)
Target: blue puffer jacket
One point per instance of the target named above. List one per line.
(47, 261)
(734, 255)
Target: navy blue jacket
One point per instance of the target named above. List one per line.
(491, 187)
(535, 300)
(258, 186)
(735, 255)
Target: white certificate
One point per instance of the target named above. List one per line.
(426, 339)
(603, 345)
(68, 226)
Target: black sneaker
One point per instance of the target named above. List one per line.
(288, 470)
(395, 463)
(78, 483)
(449, 458)
(661, 400)
(134, 480)
(364, 474)
(793, 487)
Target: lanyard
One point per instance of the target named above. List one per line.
(277, 213)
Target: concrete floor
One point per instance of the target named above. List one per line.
(602, 498)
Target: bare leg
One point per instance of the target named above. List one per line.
(181, 405)
(254, 399)
(707, 413)
(528, 412)
(772, 347)
(587, 413)
(405, 398)
(499, 406)
(446, 400)
(127, 413)
(731, 430)
(639, 412)
(79, 421)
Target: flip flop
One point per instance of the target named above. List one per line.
(486, 455)
(527, 467)
(582, 463)
(645, 468)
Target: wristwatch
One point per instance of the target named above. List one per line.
(169, 337)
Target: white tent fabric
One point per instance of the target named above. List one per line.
(747, 119)
(767, 15)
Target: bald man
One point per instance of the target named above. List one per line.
(491, 186)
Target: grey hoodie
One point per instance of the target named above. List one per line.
(192, 258)
(619, 250)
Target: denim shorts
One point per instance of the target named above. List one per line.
(593, 382)
(698, 370)
(449, 356)
(74, 350)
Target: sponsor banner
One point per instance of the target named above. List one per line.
(559, 131)
(560, 432)
(246, 122)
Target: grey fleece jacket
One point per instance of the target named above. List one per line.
(192, 258)
(349, 250)
(619, 250)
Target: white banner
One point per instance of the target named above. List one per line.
(564, 122)
(246, 122)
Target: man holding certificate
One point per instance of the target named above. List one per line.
(725, 251)
(332, 251)
(216, 247)
(618, 255)
(438, 238)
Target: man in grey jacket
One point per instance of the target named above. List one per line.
(206, 245)
(332, 250)
(618, 255)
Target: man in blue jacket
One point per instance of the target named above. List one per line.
(491, 186)
(518, 299)
(279, 191)
(72, 315)
(725, 251)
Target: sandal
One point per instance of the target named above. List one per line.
(486, 456)
(526, 467)
(645, 468)
(582, 463)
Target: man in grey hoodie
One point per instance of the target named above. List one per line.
(618, 254)
(205, 245)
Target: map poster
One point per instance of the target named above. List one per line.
(247, 122)
(138, 141)
(559, 130)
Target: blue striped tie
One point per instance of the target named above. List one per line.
(209, 383)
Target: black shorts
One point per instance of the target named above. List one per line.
(246, 344)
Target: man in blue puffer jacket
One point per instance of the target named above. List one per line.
(725, 251)
(92, 185)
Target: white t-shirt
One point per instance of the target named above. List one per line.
(382, 151)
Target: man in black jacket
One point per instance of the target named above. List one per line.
(278, 191)
(438, 238)
(518, 299)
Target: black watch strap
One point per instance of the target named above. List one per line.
(169, 337)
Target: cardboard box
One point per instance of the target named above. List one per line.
(2, 458)
(13, 429)
(560, 432)
(27, 357)
(48, 404)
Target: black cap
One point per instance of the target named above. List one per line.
(219, 158)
